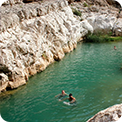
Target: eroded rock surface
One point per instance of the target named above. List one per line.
(111, 114)
(34, 35)
(102, 16)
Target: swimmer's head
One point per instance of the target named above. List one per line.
(63, 91)
(70, 95)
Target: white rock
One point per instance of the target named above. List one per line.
(118, 27)
(34, 42)
(102, 23)
(111, 114)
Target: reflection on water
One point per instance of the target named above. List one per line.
(91, 73)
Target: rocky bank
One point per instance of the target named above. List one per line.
(34, 35)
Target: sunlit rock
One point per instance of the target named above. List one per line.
(102, 23)
(42, 34)
(12, 2)
(118, 27)
(102, 16)
(111, 114)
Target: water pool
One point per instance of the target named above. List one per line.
(91, 73)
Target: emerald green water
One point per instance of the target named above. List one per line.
(91, 73)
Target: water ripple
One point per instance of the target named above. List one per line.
(91, 73)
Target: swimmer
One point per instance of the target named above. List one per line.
(63, 94)
(115, 48)
(71, 98)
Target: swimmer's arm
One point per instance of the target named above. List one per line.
(57, 95)
(66, 94)
(63, 99)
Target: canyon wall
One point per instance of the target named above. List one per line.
(34, 35)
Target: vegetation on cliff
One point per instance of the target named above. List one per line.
(101, 38)
(76, 12)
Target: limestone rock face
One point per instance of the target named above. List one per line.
(102, 17)
(111, 114)
(33, 36)
(118, 27)
(102, 23)
(11, 2)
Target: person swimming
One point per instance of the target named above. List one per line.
(115, 48)
(70, 98)
(63, 94)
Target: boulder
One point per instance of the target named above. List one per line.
(111, 114)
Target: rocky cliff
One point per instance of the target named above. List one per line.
(34, 35)
(101, 15)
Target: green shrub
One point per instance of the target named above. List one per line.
(107, 38)
(85, 4)
(98, 39)
(76, 12)
(118, 38)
